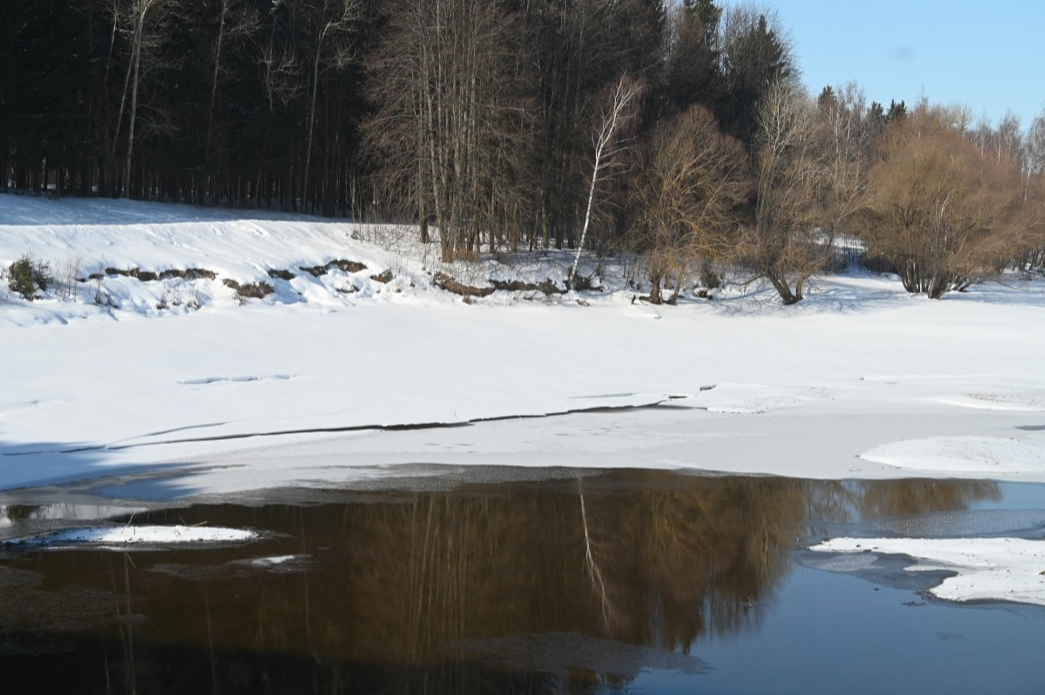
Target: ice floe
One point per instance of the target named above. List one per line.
(986, 569)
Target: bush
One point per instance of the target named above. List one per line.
(27, 275)
(709, 278)
(253, 290)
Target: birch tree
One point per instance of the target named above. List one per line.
(578, 50)
(607, 148)
(846, 142)
(1034, 146)
(1031, 250)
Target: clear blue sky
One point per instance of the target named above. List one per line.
(989, 56)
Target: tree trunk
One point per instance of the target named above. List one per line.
(674, 298)
(312, 114)
(208, 143)
(655, 296)
(784, 290)
(139, 24)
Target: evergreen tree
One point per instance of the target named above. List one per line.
(692, 72)
(897, 111)
(756, 56)
(826, 100)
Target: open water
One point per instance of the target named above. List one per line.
(550, 581)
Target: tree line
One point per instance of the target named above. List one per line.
(677, 131)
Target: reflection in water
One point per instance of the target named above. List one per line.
(41, 517)
(535, 587)
(884, 498)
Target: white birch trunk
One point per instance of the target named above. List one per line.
(604, 140)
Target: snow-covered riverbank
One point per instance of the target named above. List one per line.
(322, 381)
(859, 380)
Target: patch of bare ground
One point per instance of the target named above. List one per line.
(280, 274)
(251, 290)
(444, 281)
(150, 276)
(343, 265)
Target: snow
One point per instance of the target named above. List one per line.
(985, 456)
(274, 560)
(1010, 569)
(320, 376)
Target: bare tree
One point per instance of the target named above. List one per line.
(945, 213)
(1030, 254)
(1029, 245)
(237, 22)
(606, 149)
(577, 50)
(280, 74)
(784, 243)
(452, 122)
(329, 21)
(142, 22)
(1034, 146)
(1003, 143)
(687, 194)
(847, 142)
(1008, 141)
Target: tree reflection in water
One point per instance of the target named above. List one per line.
(526, 587)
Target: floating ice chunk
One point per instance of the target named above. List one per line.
(270, 561)
(988, 569)
(136, 535)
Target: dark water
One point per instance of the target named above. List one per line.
(629, 581)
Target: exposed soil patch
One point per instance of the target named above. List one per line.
(548, 287)
(189, 274)
(444, 281)
(136, 273)
(252, 290)
(150, 276)
(449, 284)
(384, 278)
(343, 265)
(279, 274)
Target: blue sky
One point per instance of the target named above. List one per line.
(989, 56)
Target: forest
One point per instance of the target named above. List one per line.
(676, 131)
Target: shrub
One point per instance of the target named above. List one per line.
(253, 290)
(27, 275)
(709, 277)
